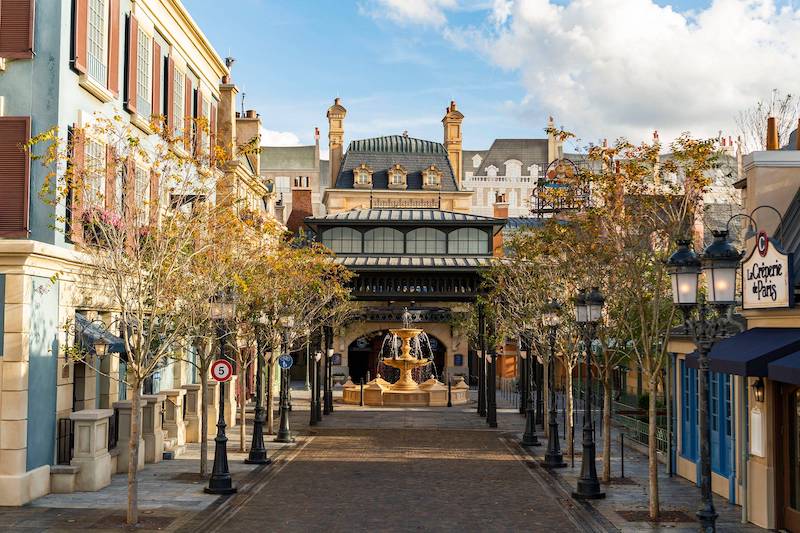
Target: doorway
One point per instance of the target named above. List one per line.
(789, 485)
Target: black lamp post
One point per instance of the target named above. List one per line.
(523, 381)
(284, 435)
(491, 384)
(588, 312)
(258, 451)
(551, 319)
(314, 361)
(719, 264)
(220, 482)
(481, 361)
(529, 438)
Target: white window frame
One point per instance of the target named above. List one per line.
(94, 180)
(178, 85)
(142, 194)
(144, 73)
(100, 60)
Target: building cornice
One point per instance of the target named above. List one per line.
(772, 159)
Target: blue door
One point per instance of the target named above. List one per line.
(42, 367)
(688, 412)
(721, 423)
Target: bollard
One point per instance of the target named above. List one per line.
(449, 393)
(622, 454)
(361, 402)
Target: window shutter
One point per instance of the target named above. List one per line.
(170, 94)
(156, 104)
(111, 177)
(212, 125)
(113, 46)
(131, 64)
(187, 114)
(80, 22)
(154, 197)
(198, 112)
(75, 200)
(129, 192)
(14, 176)
(16, 29)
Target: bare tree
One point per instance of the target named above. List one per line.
(752, 122)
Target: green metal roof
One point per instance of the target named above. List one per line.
(396, 144)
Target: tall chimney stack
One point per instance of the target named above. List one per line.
(773, 143)
(452, 138)
(336, 114)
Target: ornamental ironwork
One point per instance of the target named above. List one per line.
(562, 188)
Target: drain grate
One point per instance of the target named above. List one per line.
(664, 516)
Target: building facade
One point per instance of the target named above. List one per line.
(61, 64)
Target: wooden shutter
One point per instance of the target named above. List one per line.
(113, 46)
(16, 28)
(198, 112)
(14, 176)
(80, 24)
(170, 96)
(212, 126)
(75, 199)
(111, 178)
(187, 113)
(131, 64)
(156, 99)
(154, 199)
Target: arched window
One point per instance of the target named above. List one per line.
(342, 240)
(426, 241)
(491, 171)
(513, 168)
(383, 241)
(468, 241)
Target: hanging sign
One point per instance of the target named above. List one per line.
(767, 276)
(285, 361)
(221, 370)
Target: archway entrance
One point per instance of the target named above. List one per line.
(363, 355)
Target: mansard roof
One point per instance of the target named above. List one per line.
(527, 151)
(381, 153)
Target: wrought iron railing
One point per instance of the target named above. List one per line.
(64, 441)
(113, 430)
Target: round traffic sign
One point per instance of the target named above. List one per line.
(285, 361)
(221, 370)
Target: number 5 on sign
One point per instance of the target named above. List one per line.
(221, 370)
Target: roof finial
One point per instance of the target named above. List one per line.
(405, 133)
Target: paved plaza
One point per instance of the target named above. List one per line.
(368, 469)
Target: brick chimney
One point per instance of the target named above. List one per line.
(773, 143)
(226, 118)
(248, 128)
(500, 211)
(301, 203)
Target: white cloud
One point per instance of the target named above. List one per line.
(626, 67)
(278, 138)
(425, 12)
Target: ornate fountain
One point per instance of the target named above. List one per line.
(406, 392)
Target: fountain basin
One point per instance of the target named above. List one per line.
(431, 393)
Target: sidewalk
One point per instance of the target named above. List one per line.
(626, 502)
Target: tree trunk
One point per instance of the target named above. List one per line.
(242, 409)
(203, 422)
(652, 451)
(270, 394)
(569, 431)
(133, 457)
(607, 430)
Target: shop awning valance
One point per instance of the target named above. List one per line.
(749, 353)
(786, 369)
(90, 332)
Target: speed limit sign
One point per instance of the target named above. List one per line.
(221, 370)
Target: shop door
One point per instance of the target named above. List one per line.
(721, 423)
(791, 453)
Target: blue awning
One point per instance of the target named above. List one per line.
(90, 332)
(749, 353)
(786, 369)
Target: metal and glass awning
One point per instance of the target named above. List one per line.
(361, 263)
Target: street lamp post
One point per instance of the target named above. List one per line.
(284, 435)
(258, 451)
(523, 381)
(315, 388)
(588, 312)
(719, 264)
(551, 319)
(220, 482)
(529, 438)
(491, 385)
(481, 361)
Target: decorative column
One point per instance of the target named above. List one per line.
(91, 448)
(152, 430)
(230, 402)
(192, 418)
(125, 409)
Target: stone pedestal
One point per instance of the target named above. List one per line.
(125, 410)
(213, 407)
(230, 403)
(174, 427)
(193, 406)
(152, 430)
(91, 449)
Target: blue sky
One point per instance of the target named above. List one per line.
(395, 70)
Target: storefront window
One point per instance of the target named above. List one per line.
(383, 241)
(468, 241)
(342, 240)
(426, 241)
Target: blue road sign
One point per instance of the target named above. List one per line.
(285, 361)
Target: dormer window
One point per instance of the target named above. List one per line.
(476, 161)
(432, 178)
(397, 177)
(362, 176)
